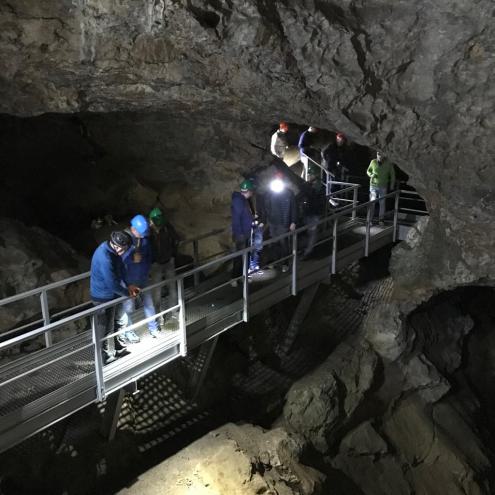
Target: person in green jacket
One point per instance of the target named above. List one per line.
(381, 172)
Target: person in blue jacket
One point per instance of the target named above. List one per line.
(242, 222)
(137, 262)
(107, 283)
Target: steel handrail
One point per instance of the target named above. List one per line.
(182, 276)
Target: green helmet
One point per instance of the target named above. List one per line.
(246, 185)
(156, 216)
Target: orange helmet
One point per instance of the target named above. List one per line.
(283, 126)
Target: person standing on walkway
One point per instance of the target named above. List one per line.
(280, 142)
(242, 222)
(137, 262)
(107, 283)
(381, 172)
(308, 149)
(280, 214)
(164, 242)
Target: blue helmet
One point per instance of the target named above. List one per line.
(140, 224)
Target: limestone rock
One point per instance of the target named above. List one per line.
(436, 464)
(30, 258)
(233, 459)
(321, 403)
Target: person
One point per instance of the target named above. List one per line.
(280, 213)
(242, 222)
(336, 157)
(107, 283)
(313, 208)
(307, 148)
(137, 263)
(380, 172)
(164, 242)
(279, 142)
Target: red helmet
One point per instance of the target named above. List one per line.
(340, 136)
(283, 126)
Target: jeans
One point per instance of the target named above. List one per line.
(161, 272)
(377, 193)
(108, 321)
(149, 309)
(257, 243)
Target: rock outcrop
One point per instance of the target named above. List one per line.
(244, 460)
(30, 258)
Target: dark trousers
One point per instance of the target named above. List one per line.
(280, 249)
(108, 321)
(237, 262)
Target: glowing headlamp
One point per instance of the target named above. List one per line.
(277, 185)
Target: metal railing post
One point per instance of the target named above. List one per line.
(368, 225)
(334, 246)
(196, 261)
(354, 202)
(396, 215)
(182, 317)
(245, 288)
(45, 311)
(100, 383)
(294, 264)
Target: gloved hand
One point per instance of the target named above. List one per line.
(292, 227)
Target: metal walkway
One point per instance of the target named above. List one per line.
(67, 374)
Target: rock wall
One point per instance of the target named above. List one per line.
(412, 79)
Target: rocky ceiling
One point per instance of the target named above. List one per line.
(413, 78)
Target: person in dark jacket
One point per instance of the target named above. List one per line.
(280, 214)
(164, 242)
(242, 222)
(336, 157)
(307, 148)
(107, 283)
(137, 263)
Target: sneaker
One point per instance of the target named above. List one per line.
(285, 268)
(132, 337)
(154, 333)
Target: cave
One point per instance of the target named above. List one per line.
(369, 374)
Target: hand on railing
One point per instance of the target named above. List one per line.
(134, 290)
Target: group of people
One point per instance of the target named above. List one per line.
(335, 157)
(277, 210)
(125, 264)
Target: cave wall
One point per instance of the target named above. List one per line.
(412, 79)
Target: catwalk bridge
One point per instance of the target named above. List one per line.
(40, 388)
